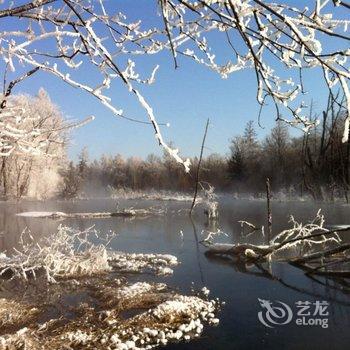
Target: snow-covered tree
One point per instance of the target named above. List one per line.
(28, 170)
(278, 40)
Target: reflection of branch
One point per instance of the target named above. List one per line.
(309, 270)
(251, 227)
(242, 267)
(334, 262)
(197, 250)
(302, 290)
(344, 285)
(322, 254)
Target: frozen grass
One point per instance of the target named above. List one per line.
(70, 253)
(14, 315)
(105, 310)
(66, 266)
(161, 317)
(65, 253)
(160, 264)
(180, 318)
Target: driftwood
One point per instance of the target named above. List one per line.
(240, 250)
(122, 213)
(251, 228)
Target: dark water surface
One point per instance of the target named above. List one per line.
(240, 286)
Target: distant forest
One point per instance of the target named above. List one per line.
(315, 164)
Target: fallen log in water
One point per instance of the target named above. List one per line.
(310, 235)
(320, 252)
(249, 251)
(62, 215)
(252, 251)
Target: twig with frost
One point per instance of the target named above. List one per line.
(270, 38)
(208, 200)
(211, 235)
(251, 228)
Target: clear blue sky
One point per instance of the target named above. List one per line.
(185, 98)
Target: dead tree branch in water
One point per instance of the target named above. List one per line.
(269, 213)
(199, 166)
(309, 237)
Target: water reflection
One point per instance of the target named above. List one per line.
(239, 284)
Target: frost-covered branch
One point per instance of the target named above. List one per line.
(277, 40)
(267, 37)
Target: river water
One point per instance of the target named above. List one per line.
(239, 286)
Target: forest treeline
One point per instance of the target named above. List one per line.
(315, 164)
